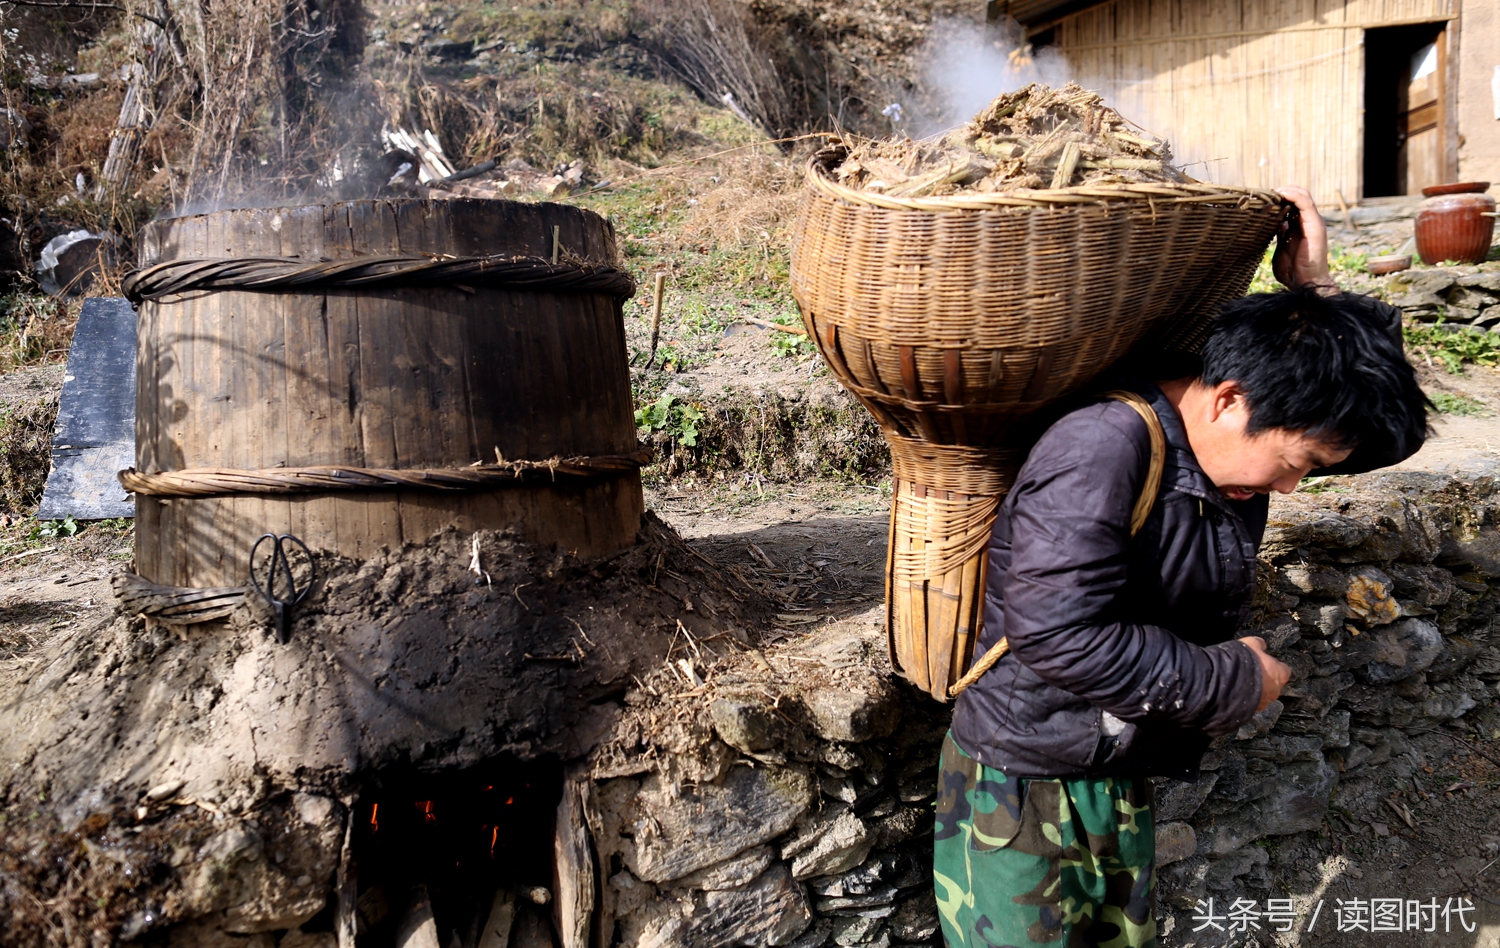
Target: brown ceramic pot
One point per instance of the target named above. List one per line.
(1452, 223)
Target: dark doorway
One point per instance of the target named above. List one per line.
(1405, 68)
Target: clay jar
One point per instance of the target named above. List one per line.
(1452, 224)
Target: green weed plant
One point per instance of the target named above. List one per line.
(52, 529)
(1450, 404)
(790, 344)
(1452, 346)
(672, 416)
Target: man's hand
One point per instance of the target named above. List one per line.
(1274, 674)
(1301, 257)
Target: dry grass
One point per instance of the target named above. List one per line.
(25, 453)
(34, 330)
(544, 113)
(750, 197)
(716, 47)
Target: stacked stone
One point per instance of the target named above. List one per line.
(1464, 295)
(795, 808)
(814, 829)
(1385, 617)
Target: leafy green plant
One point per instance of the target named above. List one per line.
(1264, 280)
(671, 359)
(1450, 404)
(698, 319)
(678, 419)
(1344, 260)
(52, 529)
(790, 344)
(1453, 346)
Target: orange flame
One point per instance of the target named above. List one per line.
(426, 807)
(375, 818)
(494, 838)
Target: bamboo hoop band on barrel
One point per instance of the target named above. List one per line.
(217, 482)
(176, 277)
(1143, 504)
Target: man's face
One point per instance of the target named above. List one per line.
(1242, 465)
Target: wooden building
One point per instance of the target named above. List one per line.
(1364, 98)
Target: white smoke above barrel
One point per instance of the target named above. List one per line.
(964, 65)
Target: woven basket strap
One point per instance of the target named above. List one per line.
(1143, 504)
(1152, 485)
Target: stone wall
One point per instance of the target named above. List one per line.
(794, 808)
(1380, 595)
(790, 801)
(1465, 295)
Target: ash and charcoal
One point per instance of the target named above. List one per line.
(456, 859)
(1031, 139)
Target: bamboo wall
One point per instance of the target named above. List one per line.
(1262, 92)
(1478, 102)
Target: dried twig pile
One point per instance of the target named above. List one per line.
(1036, 137)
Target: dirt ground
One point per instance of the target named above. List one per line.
(1466, 444)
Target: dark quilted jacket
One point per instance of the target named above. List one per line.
(1098, 622)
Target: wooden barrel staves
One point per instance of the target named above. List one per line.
(366, 374)
(952, 319)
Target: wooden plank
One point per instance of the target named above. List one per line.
(497, 925)
(416, 927)
(573, 874)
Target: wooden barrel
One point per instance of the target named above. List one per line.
(407, 347)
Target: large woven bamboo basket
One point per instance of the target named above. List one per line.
(953, 318)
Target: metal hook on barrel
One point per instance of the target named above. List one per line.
(280, 565)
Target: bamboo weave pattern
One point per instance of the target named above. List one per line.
(953, 318)
(280, 273)
(175, 605)
(943, 509)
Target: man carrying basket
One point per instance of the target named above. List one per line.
(1118, 572)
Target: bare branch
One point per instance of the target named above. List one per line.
(91, 5)
(64, 4)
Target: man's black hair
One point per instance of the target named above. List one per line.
(1332, 367)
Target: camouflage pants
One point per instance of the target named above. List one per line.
(1021, 861)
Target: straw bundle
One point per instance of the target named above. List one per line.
(952, 318)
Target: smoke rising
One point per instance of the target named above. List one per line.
(964, 65)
